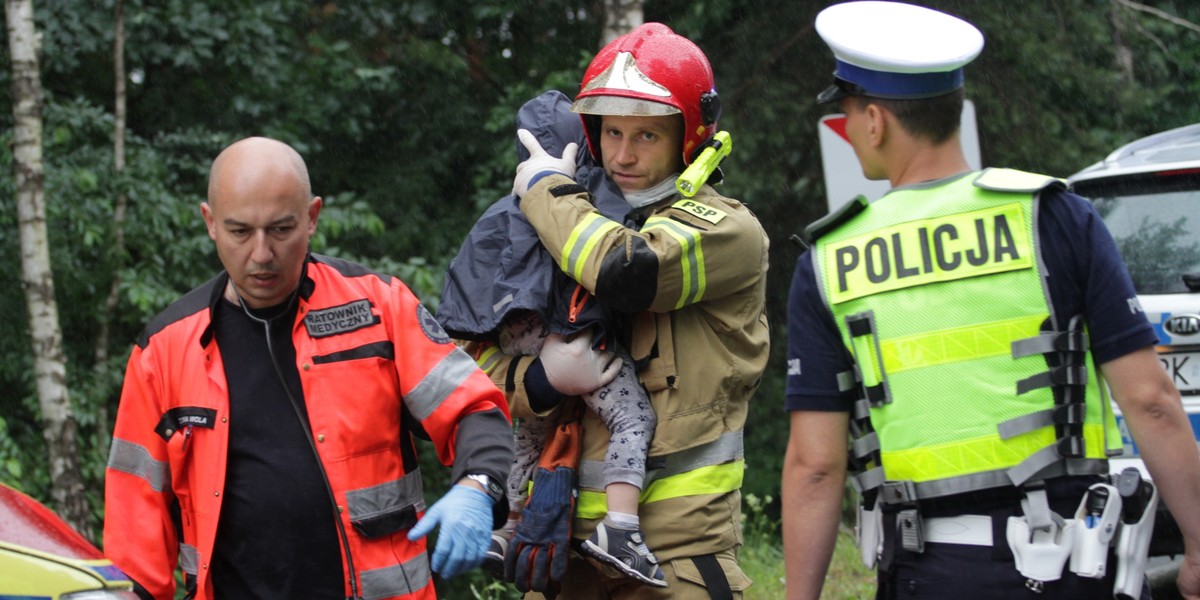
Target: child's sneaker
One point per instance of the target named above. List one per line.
(625, 550)
(493, 562)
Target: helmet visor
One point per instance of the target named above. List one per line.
(621, 106)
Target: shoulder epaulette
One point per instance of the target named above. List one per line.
(1012, 180)
(825, 224)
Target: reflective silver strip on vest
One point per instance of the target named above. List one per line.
(134, 459)
(439, 383)
(1025, 423)
(1034, 464)
(847, 380)
(892, 494)
(387, 497)
(724, 449)
(189, 559)
(994, 479)
(867, 480)
(1046, 343)
(862, 409)
(865, 445)
(396, 580)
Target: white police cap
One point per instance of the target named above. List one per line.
(895, 50)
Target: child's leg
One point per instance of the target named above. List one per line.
(625, 408)
(618, 541)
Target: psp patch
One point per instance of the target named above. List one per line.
(704, 211)
(340, 319)
(429, 325)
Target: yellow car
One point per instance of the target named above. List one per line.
(41, 557)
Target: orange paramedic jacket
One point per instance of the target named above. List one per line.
(364, 345)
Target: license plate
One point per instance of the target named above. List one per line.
(1184, 369)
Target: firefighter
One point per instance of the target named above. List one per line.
(690, 275)
(961, 330)
(264, 438)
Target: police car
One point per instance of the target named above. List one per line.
(1148, 193)
(42, 557)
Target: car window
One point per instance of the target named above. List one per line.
(1155, 219)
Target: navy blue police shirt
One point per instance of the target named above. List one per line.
(1085, 276)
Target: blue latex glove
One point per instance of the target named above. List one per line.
(536, 560)
(465, 517)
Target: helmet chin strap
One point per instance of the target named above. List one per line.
(652, 194)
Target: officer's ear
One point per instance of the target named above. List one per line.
(878, 118)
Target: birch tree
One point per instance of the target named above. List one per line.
(37, 279)
(100, 352)
(620, 17)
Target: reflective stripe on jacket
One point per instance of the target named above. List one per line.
(364, 344)
(935, 290)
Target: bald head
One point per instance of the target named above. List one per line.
(261, 214)
(254, 162)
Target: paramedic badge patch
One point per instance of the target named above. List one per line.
(340, 319)
(433, 330)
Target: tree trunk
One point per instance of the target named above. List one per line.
(49, 363)
(100, 356)
(1122, 53)
(620, 17)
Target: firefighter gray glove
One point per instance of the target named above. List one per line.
(540, 163)
(575, 366)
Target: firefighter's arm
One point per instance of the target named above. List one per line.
(1154, 412)
(140, 535)
(814, 477)
(694, 250)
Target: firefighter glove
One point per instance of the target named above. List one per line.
(540, 163)
(536, 559)
(465, 518)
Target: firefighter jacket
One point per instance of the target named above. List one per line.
(374, 367)
(693, 279)
(969, 379)
(502, 267)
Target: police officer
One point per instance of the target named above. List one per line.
(960, 330)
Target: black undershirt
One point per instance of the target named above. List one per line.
(276, 537)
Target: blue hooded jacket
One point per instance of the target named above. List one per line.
(502, 266)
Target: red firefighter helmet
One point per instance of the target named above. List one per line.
(650, 71)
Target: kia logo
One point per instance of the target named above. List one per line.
(1183, 325)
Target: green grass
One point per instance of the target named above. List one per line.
(848, 579)
(763, 561)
